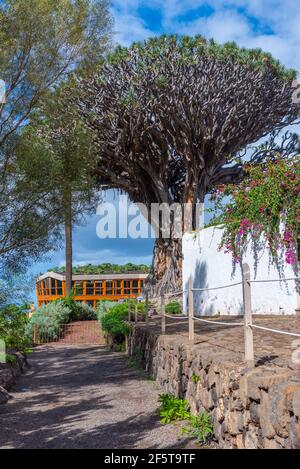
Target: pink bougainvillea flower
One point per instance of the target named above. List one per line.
(291, 257)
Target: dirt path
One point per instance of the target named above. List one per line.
(83, 397)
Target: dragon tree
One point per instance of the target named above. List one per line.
(171, 115)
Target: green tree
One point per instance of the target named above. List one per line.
(42, 43)
(56, 157)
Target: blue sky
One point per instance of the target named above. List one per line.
(272, 25)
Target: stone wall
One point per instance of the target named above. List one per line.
(9, 373)
(259, 408)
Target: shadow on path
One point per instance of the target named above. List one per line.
(83, 397)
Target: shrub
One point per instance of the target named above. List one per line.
(13, 322)
(49, 318)
(85, 312)
(199, 427)
(79, 311)
(103, 307)
(113, 321)
(173, 307)
(171, 408)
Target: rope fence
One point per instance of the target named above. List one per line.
(218, 288)
(219, 323)
(276, 331)
(247, 324)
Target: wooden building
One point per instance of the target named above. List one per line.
(90, 288)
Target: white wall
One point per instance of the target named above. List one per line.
(210, 267)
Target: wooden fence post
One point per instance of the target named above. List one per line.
(162, 309)
(136, 312)
(191, 310)
(147, 308)
(248, 333)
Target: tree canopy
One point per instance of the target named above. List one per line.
(42, 41)
(56, 158)
(105, 268)
(170, 116)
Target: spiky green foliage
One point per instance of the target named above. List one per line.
(190, 48)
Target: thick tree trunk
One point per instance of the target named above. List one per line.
(166, 270)
(69, 251)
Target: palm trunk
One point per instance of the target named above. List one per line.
(68, 240)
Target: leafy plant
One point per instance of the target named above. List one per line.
(173, 307)
(113, 322)
(199, 427)
(79, 311)
(49, 318)
(10, 358)
(171, 408)
(195, 378)
(13, 323)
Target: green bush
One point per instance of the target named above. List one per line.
(49, 318)
(103, 307)
(141, 310)
(173, 307)
(79, 311)
(13, 323)
(113, 321)
(171, 408)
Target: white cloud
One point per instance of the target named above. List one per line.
(223, 26)
(130, 28)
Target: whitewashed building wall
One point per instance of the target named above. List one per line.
(210, 267)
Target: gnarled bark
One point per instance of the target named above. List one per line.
(166, 270)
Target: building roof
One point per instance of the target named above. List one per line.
(112, 276)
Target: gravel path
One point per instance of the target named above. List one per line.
(84, 397)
